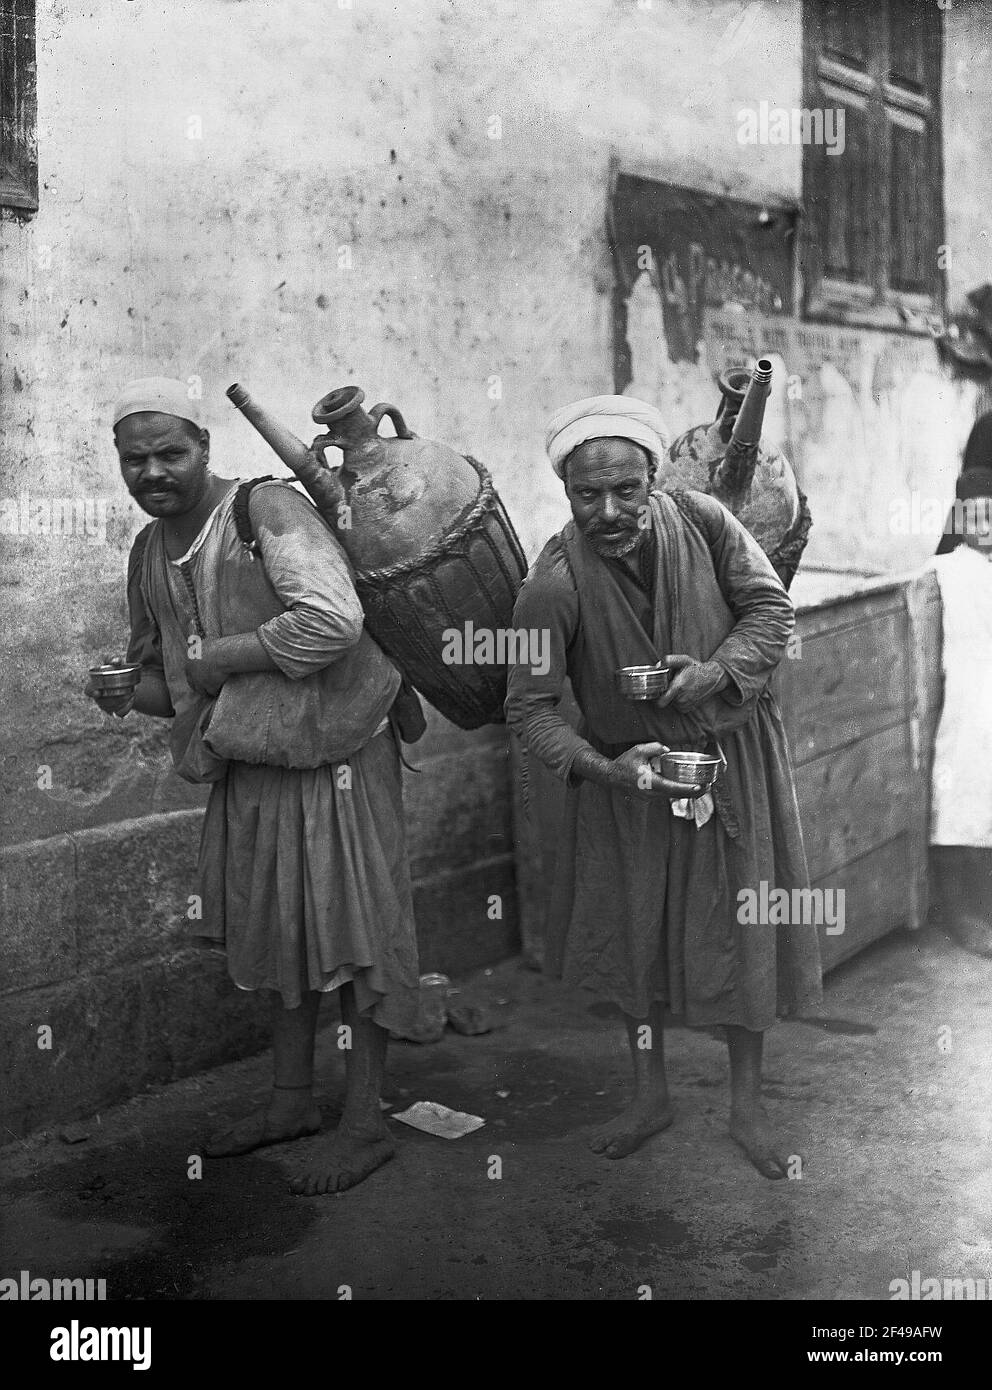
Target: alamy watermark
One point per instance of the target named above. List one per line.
(83, 517)
(501, 646)
(792, 907)
(775, 125)
(25, 1289)
(83, 1343)
(929, 1288)
(919, 515)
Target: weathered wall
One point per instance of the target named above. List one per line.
(366, 128)
(967, 93)
(303, 194)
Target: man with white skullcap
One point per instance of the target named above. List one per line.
(303, 874)
(645, 907)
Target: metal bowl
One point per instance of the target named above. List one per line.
(116, 679)
(691, 769)
(642, 682)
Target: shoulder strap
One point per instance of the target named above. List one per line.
(242, 516)
(690, 509)
(138, 547)
(137, 566)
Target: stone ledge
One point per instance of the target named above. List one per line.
(128, 1002)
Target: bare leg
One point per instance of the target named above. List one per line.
(291, 1112)
(749, 1124)
(650, 1111)
(361, 1142)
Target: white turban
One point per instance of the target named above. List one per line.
(604, 417)
(163, 394)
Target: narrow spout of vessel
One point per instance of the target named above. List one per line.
(321, 483)
(736, 472)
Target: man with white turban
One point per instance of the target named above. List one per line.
(303, 874)
(646, 903)
(605, 417)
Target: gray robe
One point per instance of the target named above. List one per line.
(646, 906)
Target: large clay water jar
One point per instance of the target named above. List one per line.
(753, 480)
(429, 539)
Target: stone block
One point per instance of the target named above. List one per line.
(113, 1035)
(98, 771)
(200, 1014)
(454, 930)
(133, 882)
(101, 1052)
(37, 913)
(458, 811)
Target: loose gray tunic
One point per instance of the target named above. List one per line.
(645, 905)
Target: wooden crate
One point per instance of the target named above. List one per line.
(860, 699)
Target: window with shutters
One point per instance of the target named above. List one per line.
(874, 213)
(18, 106)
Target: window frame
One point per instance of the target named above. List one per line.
(18, 107)
(872, 302)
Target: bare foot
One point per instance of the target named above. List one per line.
(343, 1160)
(643, 1117)
(754, 1132)
(283, 1119)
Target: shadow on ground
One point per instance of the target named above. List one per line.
(886, 1093)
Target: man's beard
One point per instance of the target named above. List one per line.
(615, 549)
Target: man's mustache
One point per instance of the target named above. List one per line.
(599, 528)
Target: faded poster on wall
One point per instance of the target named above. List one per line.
(699, 251)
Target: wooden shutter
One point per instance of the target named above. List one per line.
(911, 102)
(874, 214)
(18, 106)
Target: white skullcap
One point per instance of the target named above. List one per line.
(604, 417)
(163, 394)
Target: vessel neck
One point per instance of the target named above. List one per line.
(355, 432)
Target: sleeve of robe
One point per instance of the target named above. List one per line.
(755, 595)
(311, 575)
(548, 602)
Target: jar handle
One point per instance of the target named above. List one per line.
(383, 408)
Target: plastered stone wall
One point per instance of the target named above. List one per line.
(297, 196)
(302, 194)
